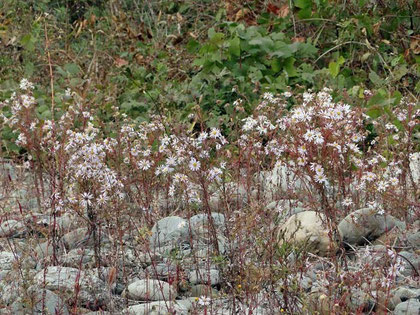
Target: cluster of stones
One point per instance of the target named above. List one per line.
(176, 271)
(77, 280)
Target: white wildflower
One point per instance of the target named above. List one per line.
(347, 202)
(26, 85)
(194, 164)
(204, 301)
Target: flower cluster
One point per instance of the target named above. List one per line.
(181, 162)
(325, 143)
(87, 164)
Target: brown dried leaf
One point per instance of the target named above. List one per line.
(92, 19)
(139, 58)
(376, 28)
(283, 11)
(415, 45)
(112, 275)
(120, 62)
(179, 17)
(298, 39)
(241, 14)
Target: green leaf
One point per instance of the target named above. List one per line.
(341, 60)
(46, 114)
(374, 113)
(215, 38)
(391, 140)
(365, 56)
(306, 49)
(71, 68)
(303, 4)
(417, 88)
(193, 46)
(265, 43)
(276, 65)
(126, 106)
(61, 71)
(75, 82)
(28, 42)
(42, 108)
(220, 14)
(12, 147)
(334, 68)
(375, 79)
(400, 72)
(397, 96)
(255, 74)
(289, 67)
(235, 47)
(281, 50)
(380, 100)
(305, 13)
(376, 99)
(29, 69)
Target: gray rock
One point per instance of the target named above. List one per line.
(136, 258)
(172, 249)
(204, 245)
(12, 228)
(18, 307)
(162, 271)
(80, 238)
(78, 256)
(285, 208)
(4, 274)
(202, 231)
(92, 293)
(280, 179)
(410, 307)
(151, 290)
(306, 283)
(411, 263)
(201, 221)
(402, 294)
(187, 303)
(215, 203)
(365, 225)
(169, 231)
(204, 276)
(74, 238)
(10, 290)
(202, 290)
(155, 308)
(413, 240)
(6, 260)
(44, 250)
(359, 300)
(46, 302)
(65, 223)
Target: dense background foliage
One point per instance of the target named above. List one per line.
(172, 56)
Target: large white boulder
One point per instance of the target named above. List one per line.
(151, 290)
(308, 228)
